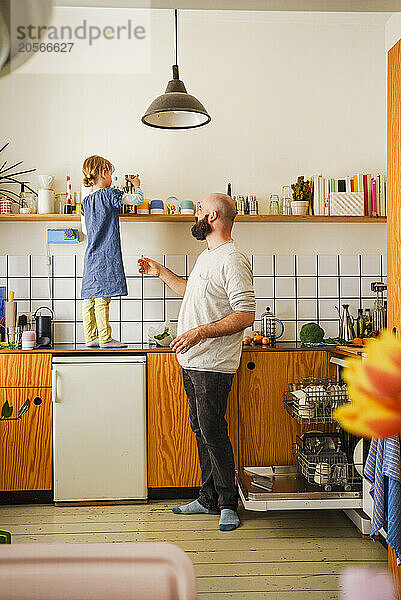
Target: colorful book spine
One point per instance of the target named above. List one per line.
(326, 208)
(3, 298)
(365, 195)
(374, 198)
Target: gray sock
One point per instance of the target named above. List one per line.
(193, 508)
(229, 520)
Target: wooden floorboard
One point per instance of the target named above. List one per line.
(279, 555)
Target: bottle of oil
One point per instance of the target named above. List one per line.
(360, 324)
(368, 322)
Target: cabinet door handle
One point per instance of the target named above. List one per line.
(37, 401)
(251, 365)
(54, 385)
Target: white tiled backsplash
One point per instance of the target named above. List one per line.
(299, 289)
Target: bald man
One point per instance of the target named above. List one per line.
(218, 304)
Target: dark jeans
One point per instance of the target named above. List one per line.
(207, 394)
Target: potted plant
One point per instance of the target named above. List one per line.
(302, 194)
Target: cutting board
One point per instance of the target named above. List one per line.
(352, 349)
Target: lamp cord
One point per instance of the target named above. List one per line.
(176, 34)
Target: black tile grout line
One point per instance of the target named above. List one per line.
(339, 282)
(30, 283)
(274, 283)
(360, 279)
(142, 311)
(75, 302)
(52, 287)
(164, 293)
(317, 289)
(296, 295)
(77, 277)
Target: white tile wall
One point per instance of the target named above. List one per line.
(328, 265)
(307, 287)
(285, 265)
(285, 287)
(306, 265)
(40, 266)
(64, 266)
(299, 289)
(263, 265)
(18, 266)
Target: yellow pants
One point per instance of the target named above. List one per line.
(95, 315)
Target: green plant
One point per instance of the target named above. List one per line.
(8, 177)
(311, 333)
(302, 190)
(7, 411)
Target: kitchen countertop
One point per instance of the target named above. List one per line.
(145, 348)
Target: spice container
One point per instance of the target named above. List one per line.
(143, 209)
(253, 205)
(173, 205)
(240, 202)
(28, 340)
(187, 207)
(156, 207)
(5, 206)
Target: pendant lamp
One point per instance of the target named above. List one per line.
(176, 109)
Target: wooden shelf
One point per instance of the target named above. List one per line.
(191, 218)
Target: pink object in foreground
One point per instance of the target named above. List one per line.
(126, 571)
(366, 584)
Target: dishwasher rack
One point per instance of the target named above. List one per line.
(312, 400)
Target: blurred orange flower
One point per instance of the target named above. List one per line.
(374, 387)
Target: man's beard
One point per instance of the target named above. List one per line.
(201, 229)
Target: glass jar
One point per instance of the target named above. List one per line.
(60, 203)
(286, 200)
(274, 204)
(29, 204)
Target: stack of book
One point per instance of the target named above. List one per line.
(353, 195)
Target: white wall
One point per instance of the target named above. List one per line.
(393, 30)
(289, 94)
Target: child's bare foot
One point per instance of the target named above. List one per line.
(113, 344)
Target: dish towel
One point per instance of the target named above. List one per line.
(383, 471)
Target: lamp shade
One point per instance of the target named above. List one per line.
(176, 109)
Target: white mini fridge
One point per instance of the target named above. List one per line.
(99, 427)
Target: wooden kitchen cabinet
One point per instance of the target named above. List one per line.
(26, 444)
(172, 453)
(394, 218)
(25, 370)
(266, 430)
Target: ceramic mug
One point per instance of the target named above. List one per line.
(322, 473)
(44, 181)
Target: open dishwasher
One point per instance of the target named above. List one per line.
(327, 462)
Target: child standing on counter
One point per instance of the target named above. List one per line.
(103, 275)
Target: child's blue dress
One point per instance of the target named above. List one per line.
(104, 275)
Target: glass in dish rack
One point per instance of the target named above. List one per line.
(326, 469)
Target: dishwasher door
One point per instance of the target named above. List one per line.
(99, 428)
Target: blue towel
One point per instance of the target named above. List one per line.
(383, 470)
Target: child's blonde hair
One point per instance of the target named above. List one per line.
(93, 167)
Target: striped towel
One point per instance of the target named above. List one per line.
(383, 471)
